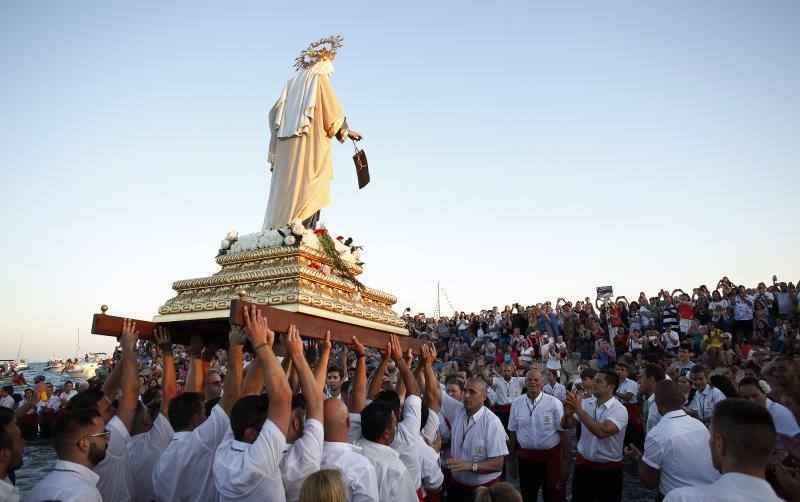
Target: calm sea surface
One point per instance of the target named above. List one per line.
(40, 455)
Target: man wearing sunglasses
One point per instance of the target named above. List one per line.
(81, 441)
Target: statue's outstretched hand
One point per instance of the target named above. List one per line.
(355, 135)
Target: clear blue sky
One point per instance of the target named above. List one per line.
(519, 150)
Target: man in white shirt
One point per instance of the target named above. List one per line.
(52, 404)
(405, 433)
(742, 438)
(357, 472)
(649, 376)
(786, 426)
(671, 340)
(11, 446)
(149, 437)
(627, 394)
(305, 433)
(676, 451)
(477, 442)
(69, 393)
(683, 365)
(184, 469)
(506, 389)
(705, 397)
(408, 425)
(552, 387)
(6, 400)
(113, 469)
(81, 440)
(603, 419)
(542, 444)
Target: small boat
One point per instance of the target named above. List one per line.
(87, 367)
(21, 365)
(55, 364)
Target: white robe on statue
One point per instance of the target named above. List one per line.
(303, 121)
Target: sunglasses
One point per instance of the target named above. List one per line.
(105, 434)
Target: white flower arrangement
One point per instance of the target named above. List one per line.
(293, 234)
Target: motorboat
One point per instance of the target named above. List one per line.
(55, 364)
(87, 367)
(21, 365)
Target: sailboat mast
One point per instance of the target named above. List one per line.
(19, 350)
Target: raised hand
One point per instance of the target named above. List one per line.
(573, 400)
(257, 328)
(236, 336)
(196, 345)
(294, 344)
(394, 349)
(162, 338)
(325, 344)
(129, 335)
(357, 347)
(427, 357)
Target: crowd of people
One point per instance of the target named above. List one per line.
(699, 393)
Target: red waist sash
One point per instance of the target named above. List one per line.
(467, 488)
(603, 466)
(555, 475)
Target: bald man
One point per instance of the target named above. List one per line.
(477, 444)
(543, 446)
(357, 471)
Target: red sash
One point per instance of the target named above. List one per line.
(419, 494)
(469, 489)
(555, 476)
(603, 466)
(433, 497)
(634, 417)
(505, 408)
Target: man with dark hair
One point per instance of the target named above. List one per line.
(706, 396)
(6, 401)
(333, 382)
(247, 466)
(305, 435)
(598, 465)
(742, 436)
(390, 450)
(81, 440)
(183, 471)
(786, 426)
(11, 446)
(213, 385)
(152, 433)
(649, 376)
(114, 483)
(676, 451)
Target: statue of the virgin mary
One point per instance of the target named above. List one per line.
(302, 123)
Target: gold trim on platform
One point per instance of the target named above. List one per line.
(281, 277)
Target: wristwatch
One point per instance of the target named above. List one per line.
(474, 467)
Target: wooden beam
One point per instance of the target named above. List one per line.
(216, 330)
(315, 327)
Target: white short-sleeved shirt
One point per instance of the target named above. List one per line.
(184, 470)
(66, 396)
(406, 440)
(432, 475)
(431, 426)
(113, 469)
(394, 480)
(68, 482)
(785, 423)
(558, 391)
(8, 492)
(730, 487)
(629, 386)
(358, 473)
(507, 391)
(7, 402)
(474, 439)
(653, 415)
(143, 452)
(703, 402)
(607, 449)
(537, 423)
(678, 447)
(302, 458)
(251, 472)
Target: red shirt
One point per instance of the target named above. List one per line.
(685, 311)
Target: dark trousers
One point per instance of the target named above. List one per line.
(596, 485)
(532, 477)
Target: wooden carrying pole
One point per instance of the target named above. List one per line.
(216, 330)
